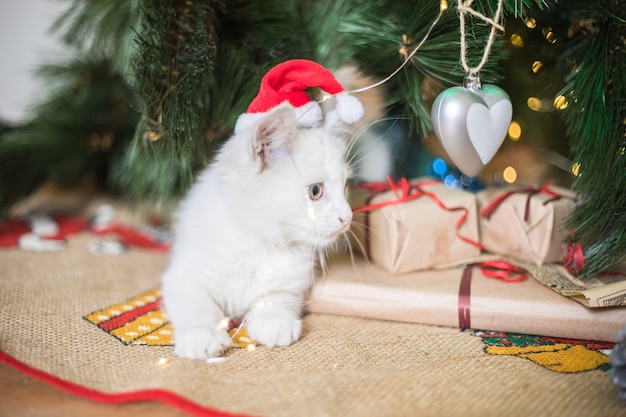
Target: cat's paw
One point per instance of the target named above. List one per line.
(200, 342)
(275, 330)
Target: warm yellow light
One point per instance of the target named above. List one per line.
(576, 169)
(560, 103)
(533, 103)
(151, 135)
(516, 40)
(551, 37)
(443, 5)
(549, 34)
(515, 131)
(509, 174)
(224, 323)
(530, 22)
(536, 67)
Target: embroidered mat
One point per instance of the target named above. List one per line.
(93, 325)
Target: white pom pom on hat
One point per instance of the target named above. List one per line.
(287, 82)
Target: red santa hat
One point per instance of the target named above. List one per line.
(287, 82)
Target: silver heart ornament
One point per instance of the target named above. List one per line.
(471, 123)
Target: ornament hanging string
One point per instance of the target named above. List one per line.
(464, 7)
(443, 6)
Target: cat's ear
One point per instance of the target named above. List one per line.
(275, 132)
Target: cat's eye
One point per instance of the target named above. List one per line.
(315, 190)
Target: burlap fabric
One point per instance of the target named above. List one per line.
(342, 366)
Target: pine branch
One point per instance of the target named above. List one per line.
(76, 131)
(198, 67)
(173, 68)
(100, 28)
(596, 120)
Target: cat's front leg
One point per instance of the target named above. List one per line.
(275, 321)
(200, 328)
(200, 342)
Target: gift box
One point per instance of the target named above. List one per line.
(415, 225)
(450, 298)
(525, 223)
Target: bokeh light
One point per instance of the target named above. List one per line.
(551, 37)
(548, 33)
(450, 181)
(466, 181)
(515, 131)
(560, 103)
(509, 175)
(517, 41)
(439, 166)
(533, 103)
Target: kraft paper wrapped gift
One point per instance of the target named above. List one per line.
(434, 226)
(525, 223)
(435, 297)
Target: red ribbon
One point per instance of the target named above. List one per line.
(465, 290)
(12, 230)
(406, 191)
(488, 210)
(573, 258)
(500, 270)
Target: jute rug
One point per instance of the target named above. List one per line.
(69, 318)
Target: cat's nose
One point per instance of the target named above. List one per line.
(345, 219)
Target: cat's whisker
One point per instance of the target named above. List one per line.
(363, 155)
(355, 163)
(364, 231)
(361, 247)
(365, 128)
(362, 131)
(358, 154)
(350, 249)
(322, 260)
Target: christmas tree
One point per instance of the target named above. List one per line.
(157, 86)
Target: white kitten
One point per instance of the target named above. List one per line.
(249, 232)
